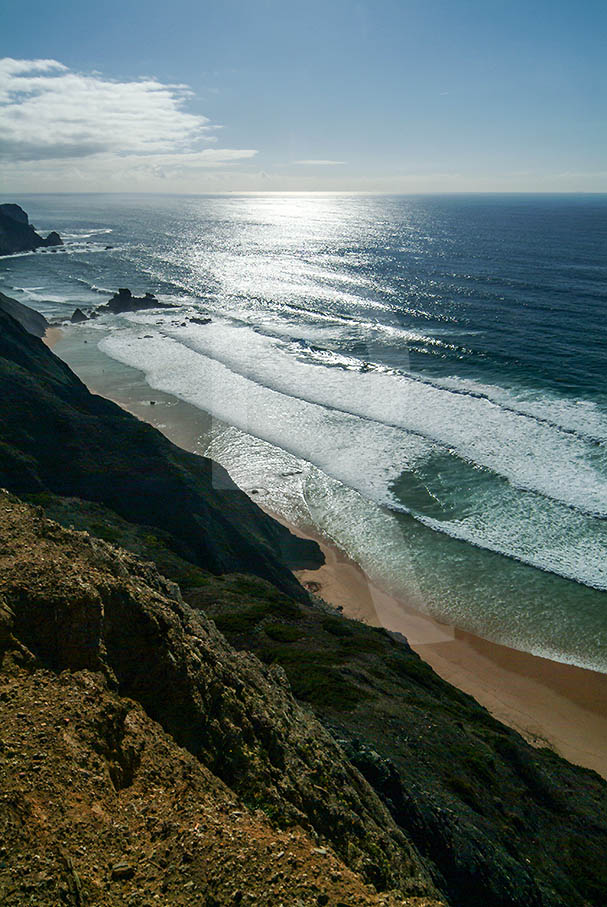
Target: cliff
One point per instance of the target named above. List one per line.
(57, 437)
(333, 740)
(128, 724)
(18, 235)
(33, 322)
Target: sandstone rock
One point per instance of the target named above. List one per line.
(122, 870)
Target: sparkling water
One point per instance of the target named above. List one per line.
(423, 379)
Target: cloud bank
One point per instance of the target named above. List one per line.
(58, 123)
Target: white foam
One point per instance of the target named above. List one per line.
(86, 234)
(582, 417)
(429, 575)
(535, 531)
(33, 295)
(354, 450)
(364, 453)
(530, 454)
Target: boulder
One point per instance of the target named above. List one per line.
(78, 317)
(53, 239)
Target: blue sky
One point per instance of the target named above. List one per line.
(386, 96)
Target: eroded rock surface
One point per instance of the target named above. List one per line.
(96, 648)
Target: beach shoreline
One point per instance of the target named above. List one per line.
(52, 336)
(551, 704)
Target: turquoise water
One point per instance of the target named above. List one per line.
(422, 378)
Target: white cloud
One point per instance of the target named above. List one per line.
(314, 163)
(52, 116)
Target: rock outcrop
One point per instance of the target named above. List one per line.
(78, 316)
(17, 234)
(99, 653)
(124, 301)
(53, 239)
(58, 437)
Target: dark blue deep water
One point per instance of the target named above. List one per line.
(422, 378)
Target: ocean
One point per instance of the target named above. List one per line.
(421, 379)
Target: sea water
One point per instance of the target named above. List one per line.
(423, 379)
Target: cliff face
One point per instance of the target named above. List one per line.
(33, 322)
(99, 653)
(339, 732)
(498, 821)
(17, 234)
(58, 437)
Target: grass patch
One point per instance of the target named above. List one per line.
(409, 667)
(243, 620)
(283, 632)
(106, 532)
(361, 644)
(315, 679)
(466, 792)
(336, 627)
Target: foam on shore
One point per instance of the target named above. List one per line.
(550, 703)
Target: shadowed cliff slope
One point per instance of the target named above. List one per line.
(499, 822)
(56, 436)
(32, 321)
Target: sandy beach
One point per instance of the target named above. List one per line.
(551, 704)
(53, 336)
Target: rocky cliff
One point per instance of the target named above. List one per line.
(33, 322)
(141, 754)
(338, 757)
(57, 437)
(18, 235)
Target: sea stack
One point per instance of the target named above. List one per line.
(124, 301)
(18, 235)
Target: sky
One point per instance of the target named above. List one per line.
(276, 95)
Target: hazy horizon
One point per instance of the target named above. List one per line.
(384, 98)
